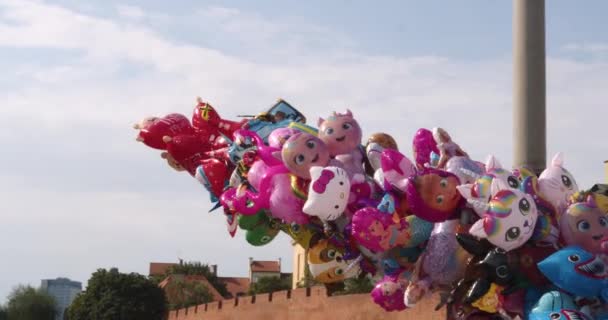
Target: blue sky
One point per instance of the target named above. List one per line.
(78, 193)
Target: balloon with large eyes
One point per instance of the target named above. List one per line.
(432, 195)
(342, 135)
(585, 225)
(303, 151)
(340, 132)
(327, 263)
(509, 220)
(556, 184)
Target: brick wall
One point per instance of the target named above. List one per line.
(303, 304)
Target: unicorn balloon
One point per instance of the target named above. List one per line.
(509, 219)
(479, 193)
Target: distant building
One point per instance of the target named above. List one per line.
(63, 290)
(299, 265)
(171, 292)
(236, 286)
(160, 268)
(262, 269)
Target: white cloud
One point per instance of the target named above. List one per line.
(73, 168)
(131, 12)
(586, 47)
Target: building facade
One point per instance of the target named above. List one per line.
(262, 269)
(63, 290)
(299, 265)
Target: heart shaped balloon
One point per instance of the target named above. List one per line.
(213, 175)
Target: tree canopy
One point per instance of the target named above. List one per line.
(183, 294)
(111, 295)
(27, 303)
(270, 284)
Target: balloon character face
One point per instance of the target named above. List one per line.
(261, 230)
(509, 221)
(261, 235)
(555, 305)
(327, 265)
(388, 294)
(584, 225)
(303, 151)
(376, 230)
(340, 132)
(556, 184)
(328, 193)
(432, 195)
(577, 271)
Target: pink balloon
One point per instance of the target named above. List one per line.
(389, 294)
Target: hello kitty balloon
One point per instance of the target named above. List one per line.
(556, 184)
(509, 220)
(328, 193)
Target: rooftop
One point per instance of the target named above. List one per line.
(265, 266)
(236, 286)
(160, 268)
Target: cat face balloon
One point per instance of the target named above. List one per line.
(556, 184)
(328, 193)
(509, 220)
(302, 151)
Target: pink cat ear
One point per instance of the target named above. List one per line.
(320, 121)
(349, 113)
(558, 160)
(492, 163)
(477, 230)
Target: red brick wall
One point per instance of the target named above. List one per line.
(300, 305)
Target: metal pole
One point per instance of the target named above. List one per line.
(529, 115)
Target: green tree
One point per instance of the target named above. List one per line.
(183, 294)
(269, 284)
(27, 303)
(112, 295)
(3, 313)
(361, 284)
(196, 268)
